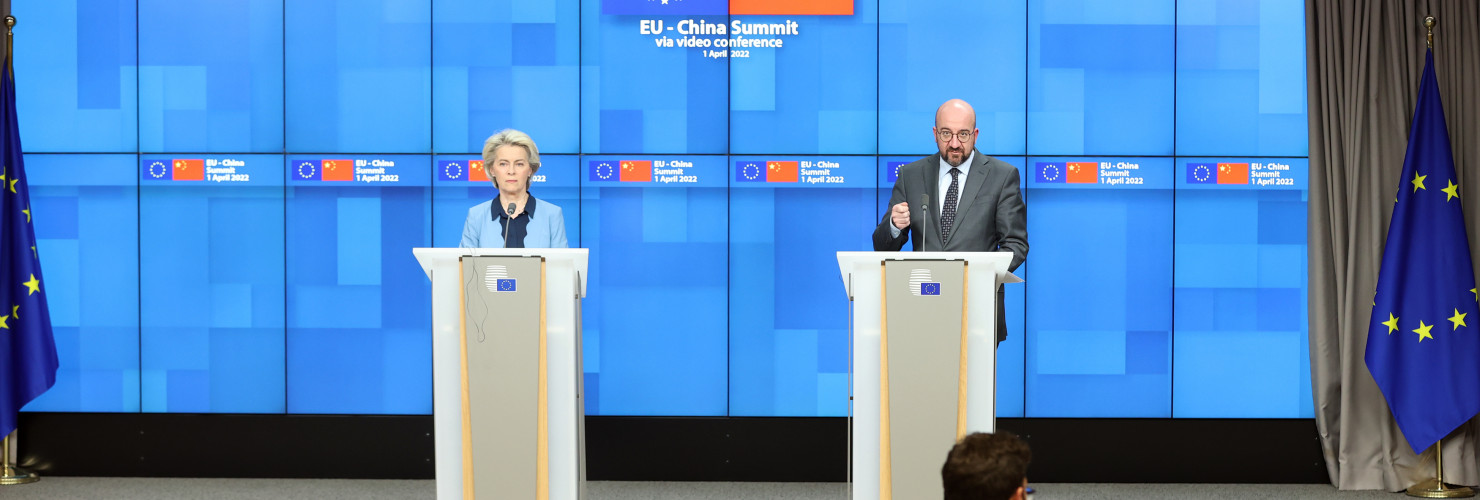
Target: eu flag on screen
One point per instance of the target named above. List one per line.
(506, 285)
(750, 171)
(28, 353)
(894, 166)
(451, 171)
(155, 169)
(1050, 172)
(305, 170)
(602, 170)
(1423, 347)
(1202, 173)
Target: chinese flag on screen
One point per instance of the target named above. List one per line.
(189, 170)
(476, 172)
(339, 170)
(1082, 172)
(781, 171)
(636, 171)
(1233, 173)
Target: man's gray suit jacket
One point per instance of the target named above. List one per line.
(990, 215)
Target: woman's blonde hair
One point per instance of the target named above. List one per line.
(511, 137)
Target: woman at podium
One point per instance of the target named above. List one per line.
(515, 218)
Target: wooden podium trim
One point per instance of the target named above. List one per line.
(542, 449)
(961, 384)
(886, 483)
(467, 419)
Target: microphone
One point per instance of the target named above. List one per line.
(924, 219)
(924, 208)
(509, 211)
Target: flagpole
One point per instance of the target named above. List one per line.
(9, 473)
(1435, 488)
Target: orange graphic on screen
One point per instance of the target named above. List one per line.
(1082, 172)
(1233, 173)
(476, 172)
(791, 7)
(189, 170)
(339, 170)
(636, 171)
(781, 171)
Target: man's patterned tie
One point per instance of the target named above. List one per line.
(948, 212)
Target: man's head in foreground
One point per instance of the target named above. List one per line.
(987, 467)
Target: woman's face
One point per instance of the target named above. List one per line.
(510, 168)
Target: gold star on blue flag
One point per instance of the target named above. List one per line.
(28, 352)
(1420, 350)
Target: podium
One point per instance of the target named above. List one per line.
(508, 404)
(924, 362)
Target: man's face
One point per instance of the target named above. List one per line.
(952, 122)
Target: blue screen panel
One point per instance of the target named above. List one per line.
(85, 212)
(358, 308)
(654, 337)
(817, 93)
(1100, 77)
(933, 51)
(506, 64)
(1241, 308)
(556, 182)
(789, 216)
(638, 97)
(1241, 78)
(358, 76)
(76, 63)
(211, 283)
(1099, 315)
(210, 76)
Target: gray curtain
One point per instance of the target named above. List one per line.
(1364, 60)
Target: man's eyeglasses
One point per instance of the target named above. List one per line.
(945, 135)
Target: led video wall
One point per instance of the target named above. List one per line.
(226, 194)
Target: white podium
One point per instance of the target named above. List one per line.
(924, 347)
(506, 371)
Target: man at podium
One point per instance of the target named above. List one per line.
(515, 218)
(957, 201)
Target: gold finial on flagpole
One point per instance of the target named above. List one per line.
(9, 40)
(1429, 22)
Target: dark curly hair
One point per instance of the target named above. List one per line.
(986, 467)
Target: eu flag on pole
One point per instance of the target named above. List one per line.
(28, 353)
(1423, 342)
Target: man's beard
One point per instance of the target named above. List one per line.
(947, 157)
